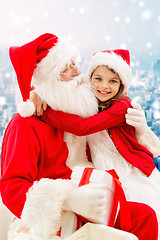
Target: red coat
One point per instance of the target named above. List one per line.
(31, 150)
(112, 119)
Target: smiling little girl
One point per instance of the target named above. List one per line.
(116, 146)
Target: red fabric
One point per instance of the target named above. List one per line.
(113, 119)
(123, 53)
(24, 59)
(144, 223)
(31, 150)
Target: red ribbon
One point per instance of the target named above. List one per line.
(119, 197)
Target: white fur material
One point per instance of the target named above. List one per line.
(114, 62)
(26, 109)
(43, 209)
(55, 62)
(72, 97)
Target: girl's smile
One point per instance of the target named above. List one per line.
(105, 82)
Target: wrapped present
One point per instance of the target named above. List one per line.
(82, 176)
(115, 199)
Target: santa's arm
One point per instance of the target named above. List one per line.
(38, 203)
(79, 126)
(135, 117)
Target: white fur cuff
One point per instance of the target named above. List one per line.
(43, 209)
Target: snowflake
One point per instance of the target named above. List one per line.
(12, 40)
(45, 14)
(132, 64)
(82, 10)
(7, 75)
(108, 38)
(148, 44)
(26, 19)
(123, 46)
(157, 114)
(141, 4)
(115, 3)
(72, 10)
(146, 15)
(2, 101)
(70, 38)
(127, 19)
(117, 19)
(129, 39)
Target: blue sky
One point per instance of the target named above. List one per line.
(92, 25)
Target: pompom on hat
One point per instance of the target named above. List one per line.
(41, 59)
(118, 60)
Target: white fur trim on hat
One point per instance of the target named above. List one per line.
(112, 61)
(55, 62)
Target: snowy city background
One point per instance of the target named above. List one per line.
(92, 25)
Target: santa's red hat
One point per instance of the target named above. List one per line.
(118, 60)
(41, 59)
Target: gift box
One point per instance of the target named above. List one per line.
(81, 176)
(115, 199)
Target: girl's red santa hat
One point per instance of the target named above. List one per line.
(40, 60)
(118, 60)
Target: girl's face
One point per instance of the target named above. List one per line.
(106, 83)
(70, 72)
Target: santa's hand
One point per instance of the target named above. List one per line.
(88, 201)
(136, 117)
(39, 104)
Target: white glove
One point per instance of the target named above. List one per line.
(136, 117)
(88, 201)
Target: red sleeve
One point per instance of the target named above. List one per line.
(19, 166)
(79, 126)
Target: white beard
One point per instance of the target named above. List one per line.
(76, 97)
(71, 97)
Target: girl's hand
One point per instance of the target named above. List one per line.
(136, 117)
(39, 104)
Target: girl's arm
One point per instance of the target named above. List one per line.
(79, 126)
